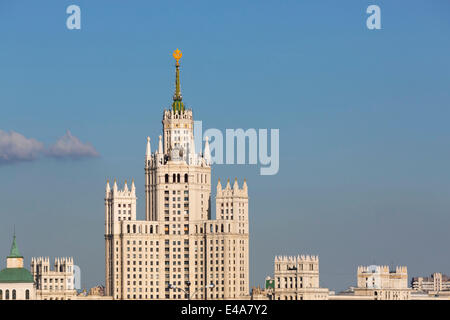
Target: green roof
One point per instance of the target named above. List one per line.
(16, 275)
(14, 253)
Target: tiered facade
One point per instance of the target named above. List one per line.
(381, 283)
(178, 251)
(297, 278)
(55, 283)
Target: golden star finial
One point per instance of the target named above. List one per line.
(177, 54)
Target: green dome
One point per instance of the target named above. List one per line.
(16, 275)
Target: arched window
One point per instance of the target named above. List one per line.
(128, 228)
(178, 178)
(217, 228)
(221, 228)
(151, 229)
(14, 294)
(134, 228)
(27, 294)
(1, 295)
(186, 177)
(166, 178)
(7, 295)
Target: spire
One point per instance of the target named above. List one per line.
(115, 185)
(108, 188)
(235, 185)
(177, 105)
(14, 253)
(207, 153)
(148, 153)
(125, 187)
(219, 186)
(133, 187)
(228, 185)
(160, 148)
(244, 186)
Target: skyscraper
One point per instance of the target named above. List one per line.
(178, 251)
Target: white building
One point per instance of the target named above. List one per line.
(178, 251)
(55, 283)
(16, 282)
(381, 283)
(295, 278)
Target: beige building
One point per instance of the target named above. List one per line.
(437, 283)
(55, 283)
(381, 283)
(178, 251)
(16, 282)
(295, 278)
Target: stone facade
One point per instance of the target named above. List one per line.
(295, 278)
(55, 283)
(380, 283)
(178, 251)
(436, 283)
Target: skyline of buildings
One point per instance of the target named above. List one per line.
(295, 278)
(363, 138)
(180, 252)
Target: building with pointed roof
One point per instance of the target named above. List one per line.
(179, 251)
(16, 282)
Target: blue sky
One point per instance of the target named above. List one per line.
(363, 118)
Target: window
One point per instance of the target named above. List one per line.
(14, 294)
(7, 294)
(27, 294)
(1, 295)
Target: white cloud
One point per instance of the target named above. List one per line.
(69, 146)
(15, 147)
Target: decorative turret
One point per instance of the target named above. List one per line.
(235, 185)
(108, 188)
(219, 186)
(14, 252)
(133, 187)
(115, 186)
(148, 153)
(207, 153)
(15, 259)
(160, 146)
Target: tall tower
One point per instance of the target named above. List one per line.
(174, 171)
(178, 248)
